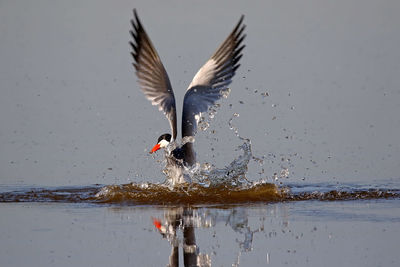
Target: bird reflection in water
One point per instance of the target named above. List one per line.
(186, 220)
(181, 219)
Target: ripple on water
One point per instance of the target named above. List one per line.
(193, 194)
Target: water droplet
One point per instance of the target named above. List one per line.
(225, 93)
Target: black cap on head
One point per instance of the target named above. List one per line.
(166, 137)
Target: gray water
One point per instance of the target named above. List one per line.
(317, 93)
(350, 233)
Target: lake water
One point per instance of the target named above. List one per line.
(152, 225)
(73, 232)
(310, 129)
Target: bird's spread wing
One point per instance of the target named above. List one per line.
(212, 80)
(151, 73)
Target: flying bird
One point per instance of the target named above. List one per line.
(208, 85)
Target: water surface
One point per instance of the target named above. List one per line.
(71, 227)
(155, 225)
(317, 94)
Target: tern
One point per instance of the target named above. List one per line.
(208, 85)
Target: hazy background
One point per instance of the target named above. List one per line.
(71, 111)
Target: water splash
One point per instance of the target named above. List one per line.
(232, 175)
(206, 174)
(197, 194)
(162, 194)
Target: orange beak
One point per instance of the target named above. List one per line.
(155, 148)
(157, 223)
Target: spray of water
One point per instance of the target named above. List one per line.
(234, 174)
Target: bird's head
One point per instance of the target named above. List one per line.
(163, 141)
